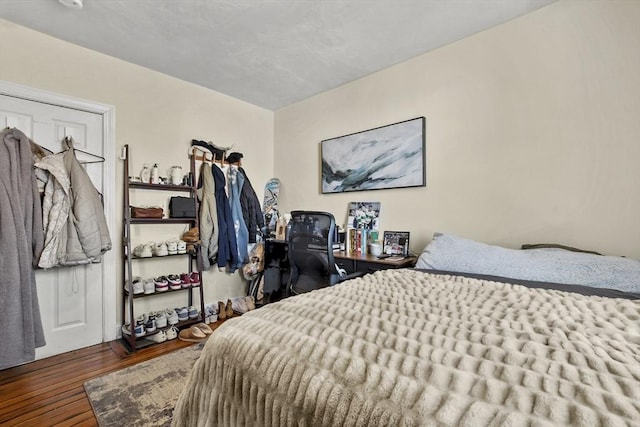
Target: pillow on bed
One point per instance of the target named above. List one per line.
(451, 253)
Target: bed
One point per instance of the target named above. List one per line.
(425, 347)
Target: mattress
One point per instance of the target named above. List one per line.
(412, 348)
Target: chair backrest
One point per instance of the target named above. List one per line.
(310, 240)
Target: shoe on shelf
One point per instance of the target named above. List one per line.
(160, 249)
(149, 286)
(138, 287)
(175, 282)
(172, 317)
(162, 285)
(182, 247)
(193, 312)
(195, 279)
(143, 251)
(159, 337)
(150, 324)
(139, 330)
(172, 247)
(161, 319)
(172, 333)
(186, 280)
(183, 313)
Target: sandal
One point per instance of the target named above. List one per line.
(204, 328)
(193, 334)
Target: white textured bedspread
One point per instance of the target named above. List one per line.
(407, 348)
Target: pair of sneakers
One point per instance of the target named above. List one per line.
(143, 250)
(146, 286)
(138, 330)
(149, 249)
(149, 322)
(190, 279)
(161, 283)
(170, 315)
(175, 247)
(167, 335)
(175, 282)
(138, 286)
(160, 249)
(166, 318)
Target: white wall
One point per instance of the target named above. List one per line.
(157, 116)
(533, 130)
(533, 133)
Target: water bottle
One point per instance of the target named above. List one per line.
(155, 175)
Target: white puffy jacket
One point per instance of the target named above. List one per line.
(75, 226)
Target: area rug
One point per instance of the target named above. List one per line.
(144, 394)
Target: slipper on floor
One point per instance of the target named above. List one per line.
(192, 334)
(206, 329)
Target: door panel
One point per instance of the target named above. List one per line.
(71, 301)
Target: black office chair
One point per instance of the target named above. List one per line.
(310, 240)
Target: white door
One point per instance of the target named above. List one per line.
(71, 298)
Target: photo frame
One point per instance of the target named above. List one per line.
(364, 215)
(396, 243)
(391, 156)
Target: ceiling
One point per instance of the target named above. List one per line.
(270, 53)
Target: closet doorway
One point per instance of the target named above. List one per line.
(76, 303)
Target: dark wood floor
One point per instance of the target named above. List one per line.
(50, 392)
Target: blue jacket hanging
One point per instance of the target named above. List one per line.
(236, 182)
(227, 244)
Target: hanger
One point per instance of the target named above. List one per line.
(68, 141)
(38, 150)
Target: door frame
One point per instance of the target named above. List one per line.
(108, 112)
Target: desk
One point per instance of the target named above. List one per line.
(276, 264)
(353, 262)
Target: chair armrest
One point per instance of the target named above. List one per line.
(353, 275)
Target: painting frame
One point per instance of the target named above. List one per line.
(396, 243)
(385, 157)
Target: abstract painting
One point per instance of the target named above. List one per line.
(391, 156)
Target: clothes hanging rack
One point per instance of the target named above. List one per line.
(203, 156)
(68, 140)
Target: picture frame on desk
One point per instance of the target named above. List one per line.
(396, 243)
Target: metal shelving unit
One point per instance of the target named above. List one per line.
(128, 298)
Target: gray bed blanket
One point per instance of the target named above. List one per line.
(408, 348)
